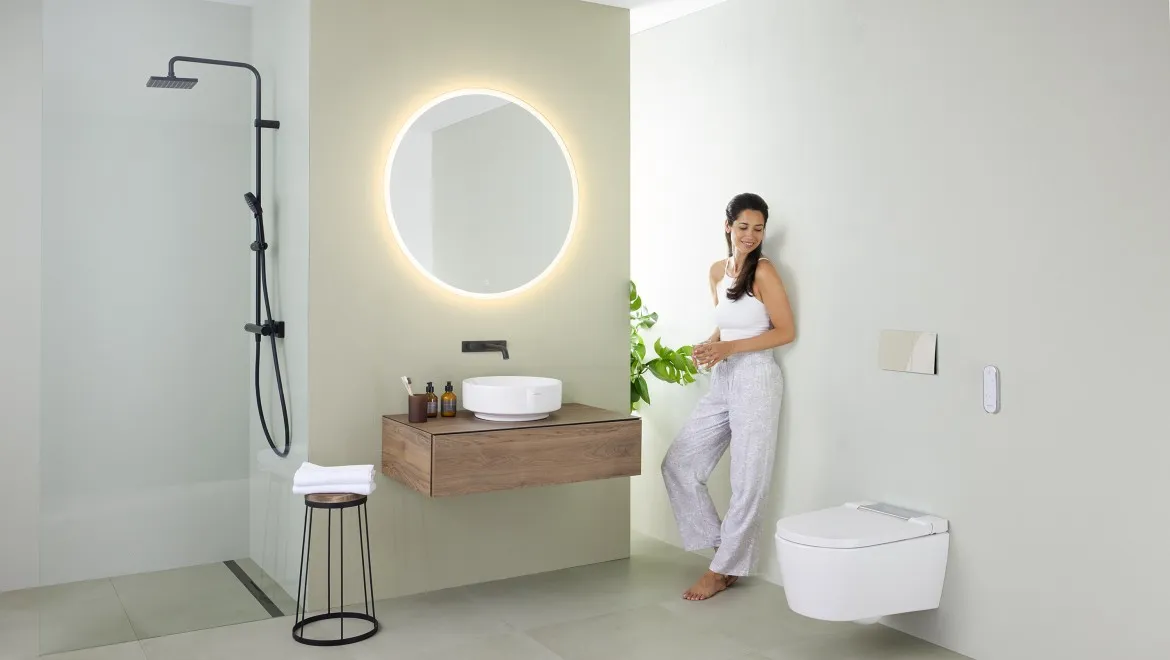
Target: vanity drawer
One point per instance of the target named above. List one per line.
(483, 456)
(496, 460)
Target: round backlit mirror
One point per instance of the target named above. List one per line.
(481, 193)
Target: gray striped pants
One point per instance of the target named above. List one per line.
(741, 409)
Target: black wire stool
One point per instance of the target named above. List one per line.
(341, 502)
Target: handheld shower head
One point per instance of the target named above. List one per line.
(171, 82)
(253, 204)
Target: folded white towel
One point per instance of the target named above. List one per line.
(313, 467)
(356, 489)
(315, 475)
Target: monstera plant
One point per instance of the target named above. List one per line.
(666, 364)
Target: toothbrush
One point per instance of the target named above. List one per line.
(406, 383)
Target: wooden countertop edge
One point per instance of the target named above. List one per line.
(485, 425)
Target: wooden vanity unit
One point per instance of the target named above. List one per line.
(463, 454)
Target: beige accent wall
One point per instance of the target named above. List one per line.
(995, 172)
(20, 288)
(374, 319)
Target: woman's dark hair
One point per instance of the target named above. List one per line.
(745, 281)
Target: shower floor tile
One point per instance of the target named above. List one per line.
(105, 613)
(80, 615)
(185, 599)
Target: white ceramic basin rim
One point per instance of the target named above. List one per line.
(511, 398)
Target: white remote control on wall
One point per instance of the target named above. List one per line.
(991, 389)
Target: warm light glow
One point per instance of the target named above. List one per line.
(390, 211)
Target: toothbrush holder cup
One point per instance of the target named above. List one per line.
(417, 408)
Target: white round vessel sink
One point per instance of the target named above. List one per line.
(511, 398)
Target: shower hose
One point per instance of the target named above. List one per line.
(273, 330)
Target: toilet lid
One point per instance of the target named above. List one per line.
(849, 527)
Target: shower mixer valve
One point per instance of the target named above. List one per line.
(269, 327)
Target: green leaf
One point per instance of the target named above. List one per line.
(658, 368)
(640, 349)
(636, 304)
(665, 371)
(643, 389)
(634, 394)
(633, 291)
(679, 360)
(659, 349)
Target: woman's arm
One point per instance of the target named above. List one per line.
(713, 277)
(770, 291)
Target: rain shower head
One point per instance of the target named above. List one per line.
(171, 82)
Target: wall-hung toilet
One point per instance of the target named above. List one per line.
(860, 562)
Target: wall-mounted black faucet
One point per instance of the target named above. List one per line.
(486, 347)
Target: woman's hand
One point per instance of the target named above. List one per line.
(709, 354)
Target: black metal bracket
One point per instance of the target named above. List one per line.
(270, 327)
(257, 246)
(266, 123)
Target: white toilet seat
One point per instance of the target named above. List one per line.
(857, 525)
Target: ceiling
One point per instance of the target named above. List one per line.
(644, 14)
(628, 4)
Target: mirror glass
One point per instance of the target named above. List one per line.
(481, 193)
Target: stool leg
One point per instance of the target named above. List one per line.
(341, 533)
(303, 571)
(329, 563)
(373, 607)
(362, 547)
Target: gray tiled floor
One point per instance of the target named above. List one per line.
(107, 614)
(628, 609)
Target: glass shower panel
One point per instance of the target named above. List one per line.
(146, 370)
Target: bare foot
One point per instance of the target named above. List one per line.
(710, 584)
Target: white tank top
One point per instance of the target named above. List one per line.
(739, 319)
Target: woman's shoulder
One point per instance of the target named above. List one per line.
(718, 270)
(766, 268)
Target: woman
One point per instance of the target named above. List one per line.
(742, 407)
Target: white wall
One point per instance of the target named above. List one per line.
(501, 186)
(280, 33)
(145, 269)
(20, 286)
(994, 172)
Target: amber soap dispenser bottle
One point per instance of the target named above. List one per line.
(432, 401)
(448, 401)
